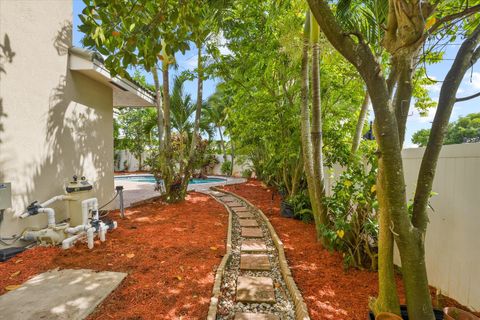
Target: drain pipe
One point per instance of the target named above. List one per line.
(120, 194)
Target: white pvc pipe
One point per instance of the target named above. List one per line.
(50, 215)
(103, 231)
(90, 234)
(45, 204)
(73, 230)
(86, 205)
(67, 243)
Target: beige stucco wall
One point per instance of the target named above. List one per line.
(56, 123)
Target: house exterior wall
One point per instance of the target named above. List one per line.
(53, 123)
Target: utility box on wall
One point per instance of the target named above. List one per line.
(5, 196)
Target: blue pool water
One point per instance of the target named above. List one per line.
(151, 179)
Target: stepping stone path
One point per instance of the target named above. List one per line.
(252, 285)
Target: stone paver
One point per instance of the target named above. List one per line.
(252, 232)
(227, 198)
(253, 245)
(240, 209)
(255, 289)
(234, 204)
(254, 262)
(248, 223)
(255, 316)
(245, 215)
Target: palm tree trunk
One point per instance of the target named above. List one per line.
(316, 130)
(196, 129)
(222, 144)
(360, 123)
(160, 120)
(305, 129)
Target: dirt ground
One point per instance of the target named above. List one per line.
(329, 291)
(170, 253)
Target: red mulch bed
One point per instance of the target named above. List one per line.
(176, 251)
(329, 291)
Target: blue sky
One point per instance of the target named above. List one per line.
(469, 86)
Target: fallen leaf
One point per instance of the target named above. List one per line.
(19, 260)
(12, 287)
(16, 273)
(130, 255)
(179, 278)
(213, 248)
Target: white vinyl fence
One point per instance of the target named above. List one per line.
(453, 237)
(453, 241)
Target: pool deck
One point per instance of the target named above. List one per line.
(139, 191)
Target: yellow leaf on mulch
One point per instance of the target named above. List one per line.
(16, 273)
(12, 287)
(179, 278)
(130, 255)
(213, 248)
(19, 260)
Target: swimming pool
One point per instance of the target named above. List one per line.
(151, 179)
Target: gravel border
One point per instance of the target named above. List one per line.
(301, 311)
(217, 291)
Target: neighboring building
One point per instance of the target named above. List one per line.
(56, 108)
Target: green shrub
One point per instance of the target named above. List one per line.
(247, 173)
(352, 211)
(226, 167)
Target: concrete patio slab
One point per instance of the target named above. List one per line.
(59, 294)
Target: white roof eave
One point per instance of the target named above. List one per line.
(125, 93)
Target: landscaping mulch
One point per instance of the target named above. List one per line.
(170, 253)
(329, 291)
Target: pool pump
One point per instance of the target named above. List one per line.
(84, 220)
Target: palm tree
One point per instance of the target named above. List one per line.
(182, 107)
(215, 116)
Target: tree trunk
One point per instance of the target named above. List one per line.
(232, 156)
(305, 130)
(167, 150)
(316, 129)
(297, 173)
(222, 144)
(192, 157)
(160, 119)
(387, 300)
(357, 137)
(393, 182)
